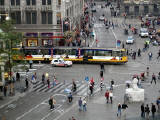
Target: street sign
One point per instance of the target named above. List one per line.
(86, 78)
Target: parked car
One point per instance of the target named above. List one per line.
(130, 40)
(144, 32)
(101, 18)
(61, 63)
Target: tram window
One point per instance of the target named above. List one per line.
(123, 53)
(73, 52)
(90, 53)
(115, 53)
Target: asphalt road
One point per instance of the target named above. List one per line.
(34, 104)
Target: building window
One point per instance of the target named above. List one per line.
(46, 17)
(34, 17)
(16, 16)
(1, 2)
(49, 2)
(43, 2)
(59, 2)
(49, 17)
(47, 42)
(31, 2)
(15, 2)
(155, 8)
(127, 9)
(136, 10)
(28, 2)
(58, 18)
(31, 17)
(46, 2)
(146, 9)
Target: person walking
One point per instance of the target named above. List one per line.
(153, 110)
(48, 83)
(107, 95)
(124, 107)
(101, 73)
(43, 79)
(5, 90)
(102, 66)
(54, 81)
(142, 111)
(147, 111)
(153, 78)
(17, 76)
(70, 98)
(119, 110)
(147, 71)
(51, 103)
(27, 83)
(150, 56)
(111, 96)
(80, 104)
(91, 88)
(84, 103)
(158, 54)
(139, 52)
(112, 83)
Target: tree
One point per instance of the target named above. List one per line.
(10, 39)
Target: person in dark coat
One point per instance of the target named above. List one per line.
(153, 109)
(26, 80)
(5, 90)
(17, 76)
(142, 111)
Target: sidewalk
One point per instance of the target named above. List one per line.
(19, 87)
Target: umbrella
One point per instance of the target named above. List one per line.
(128, 82)
(67, 90)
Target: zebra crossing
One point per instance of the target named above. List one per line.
(60, 87)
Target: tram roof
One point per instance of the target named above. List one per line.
(72, 48)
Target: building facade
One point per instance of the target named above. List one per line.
(140, 7)
(43, 21)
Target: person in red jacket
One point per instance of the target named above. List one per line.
(107, 95)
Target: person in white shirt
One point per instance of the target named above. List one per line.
(111, 96)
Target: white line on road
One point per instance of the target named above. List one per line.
(20, 117)
(115, 37)
(51, 112)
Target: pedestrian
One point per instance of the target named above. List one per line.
(124, 107)
(113, 25)
(54, 81)
(30, 64)
(119, 110)
(91, 88)
(139, 52)
(80, 104)
(5, 90)
(27, 84)
(74, 86)
(147, 71)
(150, 56)
(147, 111)
(101, 73)
(158, 104)
(158, 54)
(70, 98)
(112, 83)
(35, 76)
(43, 79)
(111, 96)
(33, 79)
(48, 83)
(102, 66)
(17, 76)
(107, 95)
(153, 78)
(153, 109)
(73, 118)
(84, 103)
(51, 103)
(142, 111)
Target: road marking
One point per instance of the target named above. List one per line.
(51, 112)
(65, 111)
(114, 36)
(24, 114)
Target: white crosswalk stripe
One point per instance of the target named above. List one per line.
(60, 88)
